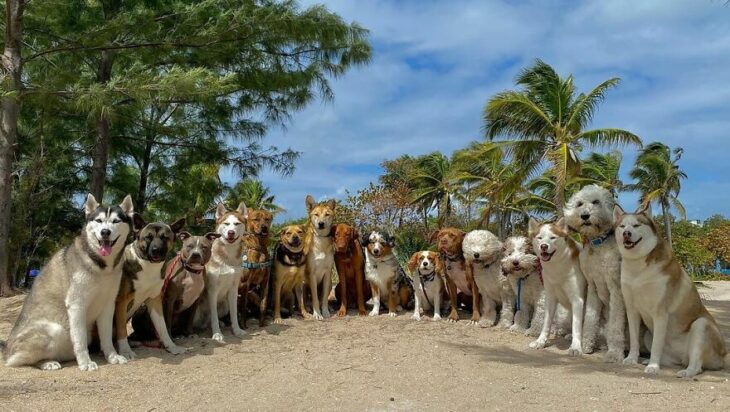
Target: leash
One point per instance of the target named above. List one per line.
(599, 240)
(427, 278)
(518, 304)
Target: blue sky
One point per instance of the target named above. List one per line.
(436, 63)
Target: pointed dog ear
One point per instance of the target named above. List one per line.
(645, 210)
(127, 206)
(220, 210)
(90, 205)
(138, 222)
(332, 204)
(365, 240)
(177, 225)
(184, 235)
(243, 210)
(433, 236)
(355, 235)
(618, 213)
(309, 202)
(533, 227)
(413, 262)
(390, 239)
(562, 225)
(333, 230)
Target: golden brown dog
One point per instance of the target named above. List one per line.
(289, 269)
(449, 241)
(350, 264)
(257, 264)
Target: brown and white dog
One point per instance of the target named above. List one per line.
(320, 254)
(449, 241)
(427, 272)
(290, 260)
(142, 280)
(257, 264)
(223, 273)
(350, 264)
(658, 291)
(382, 270)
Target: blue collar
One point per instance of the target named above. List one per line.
(601, 239)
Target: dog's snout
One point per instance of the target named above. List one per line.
(627, 234)
(105, 233)
(585, 216)
(295, 240)
(425, 263)
(320, 225)
(476, 256)
(231, 233)
(544, 247)
(516, 262)
(196, 256)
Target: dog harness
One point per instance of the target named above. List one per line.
(426, 278)
(193, 283)
(297, 259)
(255, 265)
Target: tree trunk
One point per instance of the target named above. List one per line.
(144, 173)
(12, 66)
(101, 147)
(559, 198)
(667, 223)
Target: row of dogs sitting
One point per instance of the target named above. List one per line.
(622, 272)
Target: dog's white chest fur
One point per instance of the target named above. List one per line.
(148, 283)
(224, 272)
(321, 259)
(380, 272)
(490, 281)
(646, 286)
(456, 272)
(601, 266)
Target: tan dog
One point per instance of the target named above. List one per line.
(320, 254)
(350, 264)
(257, 264)
(658, 291)
(289, 269)
(449, 243)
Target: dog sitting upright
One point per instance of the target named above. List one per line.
(382, 270)
(449, 241)
(483, 252)
(290, 260)
(223, 273)
(590, 212)
(142, 280)
(563, 279)
(522, 268)
(320, 254)
(350, 263)
(75, 291)
(658, 291)
(427, 271)
(257, 266)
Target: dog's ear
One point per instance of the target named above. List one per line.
(309, 202)
(433, 236)
(127, 206)
(618, 213)
(185, 235)
(413, 262)
(220, 210)
(177, 225)
(243, 210)
(365, 239)
(354, 234)
(90, 205)
(138, 222)
(562, 225)
(390, 239)
(333, 230)
(332, 204)
(212, 236)
(532, 227)
(439, 263)
(463, 235)
(645, 210)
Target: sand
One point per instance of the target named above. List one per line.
(358, 363)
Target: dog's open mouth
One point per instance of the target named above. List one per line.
(106, 245)
(231, 240)
(195, 266)
(156, 259)
(628, 244)
(545, 256)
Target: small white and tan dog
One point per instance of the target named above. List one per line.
(483, 252)
(563, 279)
(427, 272)
(658, 291)
(522, 268)
(590, 212)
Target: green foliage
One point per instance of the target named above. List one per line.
(254, 195)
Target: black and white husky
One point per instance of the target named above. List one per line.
(75, 290)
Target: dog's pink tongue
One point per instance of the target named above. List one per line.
(105, 250)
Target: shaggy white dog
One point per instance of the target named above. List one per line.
(590, 212)
(522, 268)
(483, 252)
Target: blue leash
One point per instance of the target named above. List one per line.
(519, 294)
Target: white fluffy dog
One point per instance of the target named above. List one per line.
(483, 252)
(590, 212)
(522, 268)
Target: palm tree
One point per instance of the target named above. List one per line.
(546, 121)
(254, 194)
(602, 170)
(659, 179)
(434, 185)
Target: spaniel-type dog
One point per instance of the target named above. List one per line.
(427, 272)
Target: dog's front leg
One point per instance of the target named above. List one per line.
(437, 302)
(265, 299)
(341, 271)
(79, 335)
(105, 325)
(154, 307)
(359, 288)
(453, 298)
(324, 298)
(299, 291)
(233, 308)
(120, 322)
(507, 314)
(657, 344)
(376, 300)
(213, 308)
(634, 319)
(576, 345)
(315, 296)
(616, 327)
(592, 318)
(538, 317)
(417, 308)
(550, 306)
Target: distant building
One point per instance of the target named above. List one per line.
(696, 222)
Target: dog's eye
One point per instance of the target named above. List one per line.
(552, 238)
(236, 223)
(595, 202)
(637, 225)
(580, 204)
(97, 220)
(622, 226)
(189, 247)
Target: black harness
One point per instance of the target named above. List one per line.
(424, 279)
(296, 259)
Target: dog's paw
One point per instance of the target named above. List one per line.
(325, 313)
(50, 366)
(687, 373)
(88, 366)
(116, 359)
(362, 312)
(537, 344)
(472, 322)
(307, 316)
(652, 369)
(317, 316)
(612, 357)
(630, 360)
(504, 324)
(176, 350)
(451, 320)
(278, 321)
(575, 351)
(218, 337)
(485, 323)
(373, 313)
(516, 328)
(436, 317)
(392, 314)
(128, 353)
(341, 313)
(239, 333)
(416, 316)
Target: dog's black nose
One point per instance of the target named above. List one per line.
(516, 262)
(627, 234)
(320, 225)
(476, 256)
(231, 233)
(105, 233)
(543, 247)
(196, 256)
(295, 241)
(425, 263)
(585, 216)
